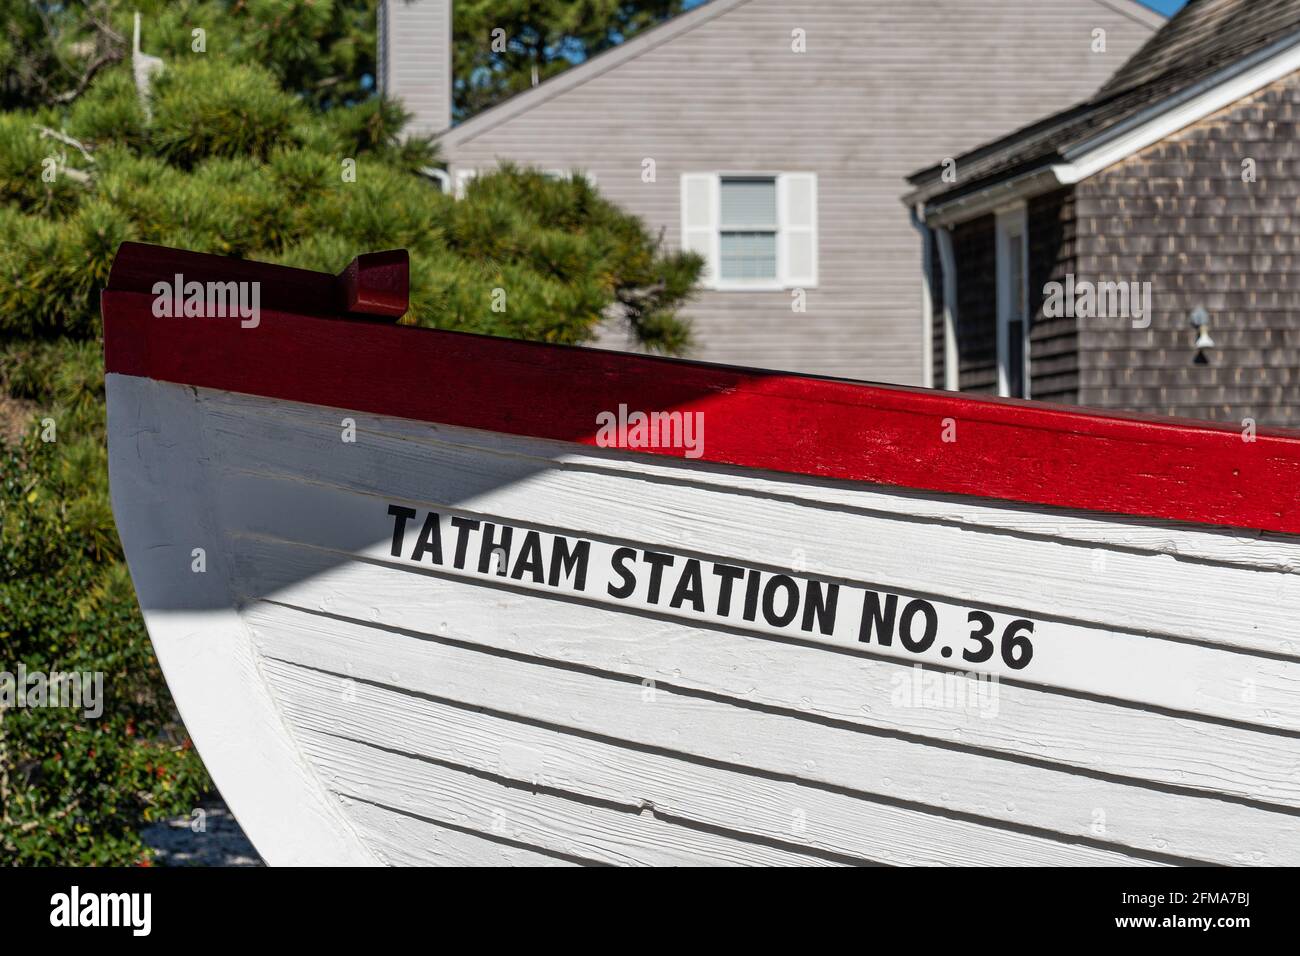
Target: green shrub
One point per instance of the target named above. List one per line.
(74, 790)
(245, 154)
(28, 181)
(203, 108)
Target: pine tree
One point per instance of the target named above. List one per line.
(236, 156)
(504, 46)
(259, 139)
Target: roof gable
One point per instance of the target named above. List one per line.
(1210, 50)
(1204, 37)
(655, 37)
(600, 63)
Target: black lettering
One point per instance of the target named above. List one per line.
(488, 547)
(530, 558)
(751, 596)
(821, 606)
(984, 627)
(401, 516)
(791, 600)
(619, 564)
(463, 527)
(874, 620)
(690, 587)
(729, 575)
(1013, 638)
(931, 626)
(657, 561)
(430, 540)
(569, 562)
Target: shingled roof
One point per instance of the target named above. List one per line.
(1206, 38)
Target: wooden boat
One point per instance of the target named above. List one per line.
(426, 597)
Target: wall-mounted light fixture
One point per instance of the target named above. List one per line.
(1201, 323)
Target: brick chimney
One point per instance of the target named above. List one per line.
(414, 61)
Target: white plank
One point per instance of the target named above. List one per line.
(1016, 720)
(462, 449)
(1153, 593)
(400, 839)
(889, 767)
(1188, 677)
(228, 413)
(550, 823)
(778, 810)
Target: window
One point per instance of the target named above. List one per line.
(747, 229)
(1013, 303)
(755, 231)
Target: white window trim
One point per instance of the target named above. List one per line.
(441, 175)
(927, 309)
(463, 176)
(782, 282)
(948, 264)
(1011, 220)
(749, 285)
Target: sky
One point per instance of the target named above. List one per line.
(1167, 7)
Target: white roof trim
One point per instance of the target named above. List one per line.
(598, 64)
(995, 197)
(1144, 129)
(1135, 10)
(1190, 106)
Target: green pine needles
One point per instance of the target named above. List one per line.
(266, 143)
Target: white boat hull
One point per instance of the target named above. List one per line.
(412, 614)
(354, 705)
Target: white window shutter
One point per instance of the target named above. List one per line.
(700, 221)
(797, 202)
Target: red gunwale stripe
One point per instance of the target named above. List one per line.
(1017, 451)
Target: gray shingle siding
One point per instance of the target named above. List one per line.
(973, 248)
(1179, 215)
(883, 87)
(1053, 342)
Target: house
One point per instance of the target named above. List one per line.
(773, 138)
(1141, 250)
